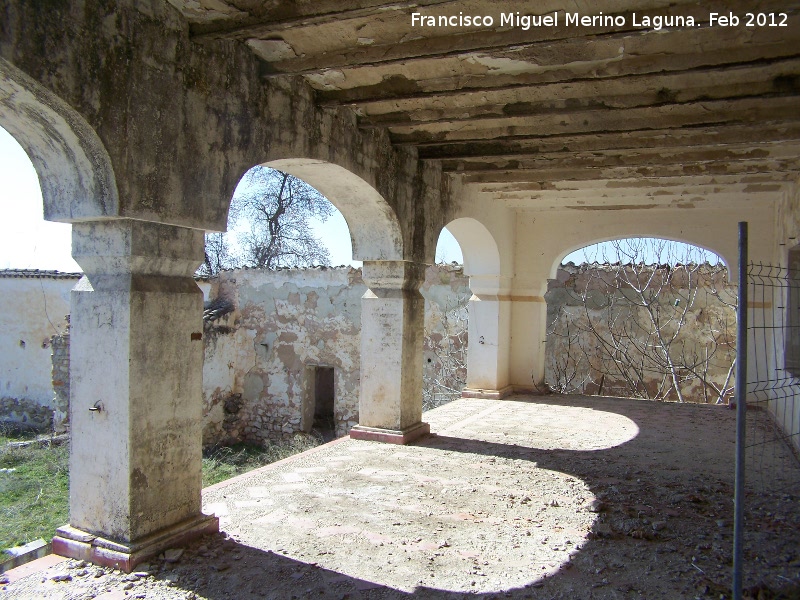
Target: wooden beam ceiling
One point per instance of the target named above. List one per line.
(688, 103)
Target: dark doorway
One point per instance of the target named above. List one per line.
(323, 402)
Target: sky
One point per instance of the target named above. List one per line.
(27, 241)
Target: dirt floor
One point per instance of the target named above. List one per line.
(567, 497)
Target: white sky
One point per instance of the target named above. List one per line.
(27, 241)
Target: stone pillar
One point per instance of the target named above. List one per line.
(528, 337)
(489, 338)
(392, 331)
(136, 360)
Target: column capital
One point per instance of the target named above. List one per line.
(127, 247)
(490, 285)
(393, 274)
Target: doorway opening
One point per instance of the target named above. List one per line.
(323, 391)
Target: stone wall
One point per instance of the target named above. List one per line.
(36, 303)
(60, 365)
(586, 302)
(265, 331)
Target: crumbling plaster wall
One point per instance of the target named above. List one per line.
(35, 309)
(281, 323)
(257, 356)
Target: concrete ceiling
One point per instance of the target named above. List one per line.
(557, 114)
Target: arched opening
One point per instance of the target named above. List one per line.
(75, 172)
(644, 250)
(479, 249)
(467, 351)
(642, 317)
(27, 241)
(36, 276)
(448, 250)
(283, 355)
(277, 220)
(374, 228)
(446, 292)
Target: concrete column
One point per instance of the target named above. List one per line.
(392, 331)
(528, 337)
(136, 393)
(489, 338)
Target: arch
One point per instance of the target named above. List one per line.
(374, 228)
(560, 256)
(74, 168)
(481, 255)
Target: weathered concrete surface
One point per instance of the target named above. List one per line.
(500, 504)
(136, 379)
(59, 361)
(277, 325)
(201, 117)
(392, 319)
(788, 232)
(282, 323)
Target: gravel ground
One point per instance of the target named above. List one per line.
(534, 497)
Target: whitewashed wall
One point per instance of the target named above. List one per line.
(35, 307)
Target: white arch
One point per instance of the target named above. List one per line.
(374, 228)
(600, 240)
(75, 171)
(481, 255)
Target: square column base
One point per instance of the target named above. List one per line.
(488, 394)
(390, 436)
(74, 543)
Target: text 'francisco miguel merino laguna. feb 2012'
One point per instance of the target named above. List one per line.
(567, 19)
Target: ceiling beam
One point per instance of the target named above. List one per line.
(272, 18)
(715, 112)
(644, 172)
(615, 55)
(666, 139)
(558, 183)
(424, 42)
(630, 92)
(710, 157)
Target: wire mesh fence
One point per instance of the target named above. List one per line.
(771, 440)
(773, 387)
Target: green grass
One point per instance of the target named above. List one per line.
(225, 462)
(34, 498)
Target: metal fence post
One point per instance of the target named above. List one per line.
(741, 414)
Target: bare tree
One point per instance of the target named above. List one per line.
(271, 214)
(629, 330)
(445, 373)
(218, 255)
